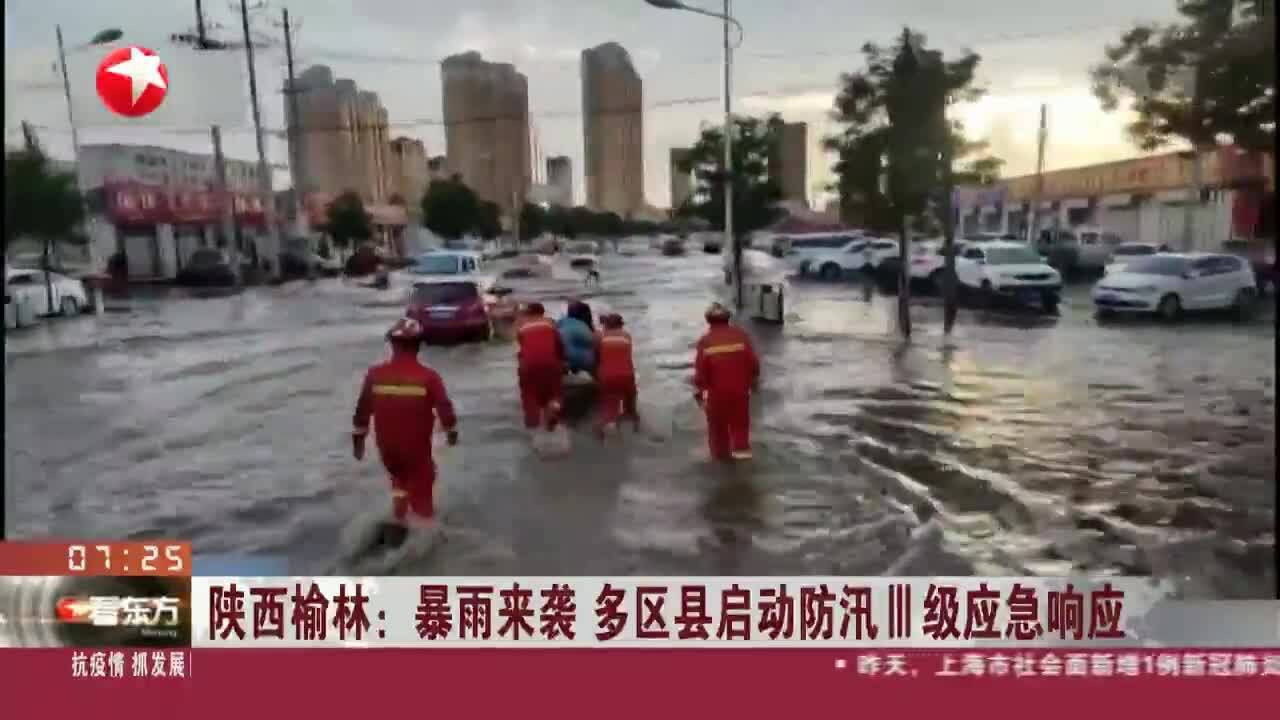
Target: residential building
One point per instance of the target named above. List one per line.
(409, 173)
(486, 114)
(342, 136)
(681, 179)
(788, 161)
(560, 178)
(613, 128)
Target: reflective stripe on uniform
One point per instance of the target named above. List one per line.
(398, 493)
(722, 349)
(615, 340)
(401, 390)
(741, 454)
(537, 323)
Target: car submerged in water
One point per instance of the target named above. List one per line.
(452, 309)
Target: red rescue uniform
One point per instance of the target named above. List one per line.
(725, 371)
(403, 397)
(541, 371)
(616, 375)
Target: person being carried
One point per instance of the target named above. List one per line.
(400, 400)
(577, 334)
(726, 370)
(541, 368)
(616, 375)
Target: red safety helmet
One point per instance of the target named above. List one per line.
(717, 313)
(406, 329)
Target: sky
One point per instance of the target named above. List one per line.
(790, 61)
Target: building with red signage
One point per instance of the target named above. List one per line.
(158, 206)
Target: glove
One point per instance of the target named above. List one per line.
(700, 398)
(357, 446)
(452, 437)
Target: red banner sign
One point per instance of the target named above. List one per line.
(134, 203)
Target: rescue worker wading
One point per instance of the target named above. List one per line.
(616, 374)
(403, 397)
(541, 361)
(726, 370)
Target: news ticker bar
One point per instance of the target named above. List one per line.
(627, 612)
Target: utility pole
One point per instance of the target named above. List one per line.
(949, 299)
(264, 170)
(1041, 138)
(730, 237)
(1198, 143)
(297, 153)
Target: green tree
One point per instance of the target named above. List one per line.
(39, 203)
(1222, 50)
(450, 209)
(533, 221)
(346, 220)
(488, 223)
(897, 149)
(907, 143)
(754, 192)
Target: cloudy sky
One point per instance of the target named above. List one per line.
(792, 55)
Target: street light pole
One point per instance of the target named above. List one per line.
(101, 38)
(729, 237)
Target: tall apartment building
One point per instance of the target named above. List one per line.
(788, 162)
(342, 135)
(409, 174)
(486, 114)
(613, 129)
(560, 178)
(681, 179)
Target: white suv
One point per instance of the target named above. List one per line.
(830, 255)
(928, 261)
(1008, 270)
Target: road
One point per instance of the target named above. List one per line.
(1022, 445)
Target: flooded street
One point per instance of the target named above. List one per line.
(1022, 445)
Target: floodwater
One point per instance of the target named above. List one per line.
(1022, 445)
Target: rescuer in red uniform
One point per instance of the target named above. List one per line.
(403, 397)
(615, 373)
(726, 370)
(541, 368)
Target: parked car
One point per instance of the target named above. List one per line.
(582, 254)
(447, 262)
(69, 295)
(207, 267)
(1169, 283)
(809, 252)
(928, 261)
(304, 263)
(879, 250)
(1126, 253)
(1096, 246)
(673, 246)
(1261, 255)
(832, 263)
(1008, 271)
(451, 309)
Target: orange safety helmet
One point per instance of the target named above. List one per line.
(717, 313)
(406, 329)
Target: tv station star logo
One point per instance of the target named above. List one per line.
(132, 81)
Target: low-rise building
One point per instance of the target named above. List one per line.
(159, 205)
(1142, 200)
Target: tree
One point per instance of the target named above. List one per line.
(346, 220)
(488, 223)
(897, 149)
(1223, 51)
(533, 221)
(754, 192)
(450, 209)
(40, 203)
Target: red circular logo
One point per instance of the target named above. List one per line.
(132, 81)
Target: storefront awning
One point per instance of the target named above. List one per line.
(1075, 203)
(1117, 200)
(1173, 196)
